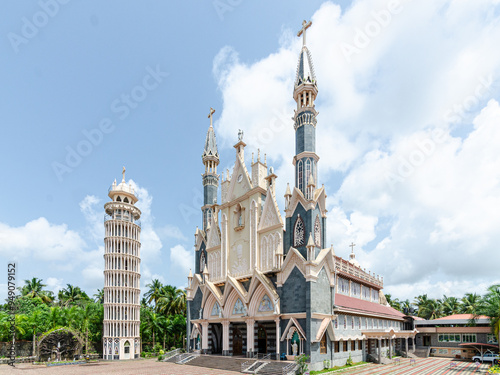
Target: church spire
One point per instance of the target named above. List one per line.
(211, 160)
(304, 93)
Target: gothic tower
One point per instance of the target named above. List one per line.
(122, 251)
(305, 217)
(210, 179)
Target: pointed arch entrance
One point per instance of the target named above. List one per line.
(261, 339)
(237, 342)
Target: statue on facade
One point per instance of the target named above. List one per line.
(295, 348)
(240, 135)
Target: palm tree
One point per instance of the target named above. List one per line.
(428, 308)
(406, 307)
(471, 303)
(99, 296)
(54, 316)
(71, 295)
(34, 289)
(394, 303)
(172, 301)
(154, 292)
(450, 305)
(491, 308)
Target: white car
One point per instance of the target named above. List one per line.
(487, 357)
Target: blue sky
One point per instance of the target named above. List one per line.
(408, 128)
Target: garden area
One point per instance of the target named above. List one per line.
(69, 325)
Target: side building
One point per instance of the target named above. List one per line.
(122, 260)
(455, 336)
(271, 285)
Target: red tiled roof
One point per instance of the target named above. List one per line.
(357, 305)
(461, 316)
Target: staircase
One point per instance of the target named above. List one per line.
(218, 362)
(273, 368)
(421, 352)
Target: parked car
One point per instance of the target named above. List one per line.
(487, 357)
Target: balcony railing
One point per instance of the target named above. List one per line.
(126, 218)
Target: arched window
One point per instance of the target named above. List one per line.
(298, 233)
(118, 199)
(322, 345)
(202, 261)
(308, 170)
(299, 175)
(125, 200)
(317, 232)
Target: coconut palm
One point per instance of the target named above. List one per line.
(471, 303)
(491, 308)
(72, 295)
(34, 289)
(35, 321)
(450, 305)
(99, 296)
(154, 292)
(394, 303)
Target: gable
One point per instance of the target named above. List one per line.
(240, 181)
(213, 234)
(270, 217)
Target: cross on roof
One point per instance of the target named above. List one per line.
(305, 26)
(352, 246)
(123, 174)
(212, 111)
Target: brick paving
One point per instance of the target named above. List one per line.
(422, 366)
(135, 367)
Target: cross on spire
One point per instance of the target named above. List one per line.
(305, 26)
(123, 174)
(212, 111)
(352, 246)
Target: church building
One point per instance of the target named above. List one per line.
(271, 285)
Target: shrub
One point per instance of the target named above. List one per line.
(301, 360)
(349, 361)
(494, 370)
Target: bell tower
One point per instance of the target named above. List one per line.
(210, 159)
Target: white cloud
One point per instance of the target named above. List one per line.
(406, 129)
(181, 259)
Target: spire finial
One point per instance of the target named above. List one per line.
(305, 26)
(123, 174)
(210, 115)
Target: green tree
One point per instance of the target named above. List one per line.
(155, 291)
(450, 305)
(471, 303)
(36, 323)
(491, 308)
(34, 289)
(99, 296)
(72, 295)
(394, 303)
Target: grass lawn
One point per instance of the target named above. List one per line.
(337, 368)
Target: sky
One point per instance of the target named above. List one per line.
(408, 131)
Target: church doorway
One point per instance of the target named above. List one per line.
(237, 342)
(262, 340)
(216, 338)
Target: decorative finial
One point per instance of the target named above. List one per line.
(123, 174)
(305, 26)
(210, 115)
(252, 157)
(240, 135)
(258, 155)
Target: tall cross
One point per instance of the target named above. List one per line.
(123, 174)
(212, 111)
(305, 26)
(352, 246)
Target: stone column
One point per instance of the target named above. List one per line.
(225, 337)
(250, 337)
(277, 321)
(406, 346)
(413, 341)
(204, 337)
(390, 348)
(379, 350)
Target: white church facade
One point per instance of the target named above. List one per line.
(268, 284)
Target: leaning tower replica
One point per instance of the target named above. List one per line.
(122, 250)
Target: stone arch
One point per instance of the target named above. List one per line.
(75, 333)
(299, 232)
(233, 297)
(253, 308)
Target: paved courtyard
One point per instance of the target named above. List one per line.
(422, 366)
(427, 366)
(136, 367)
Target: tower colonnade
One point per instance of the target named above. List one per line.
(122, 250)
